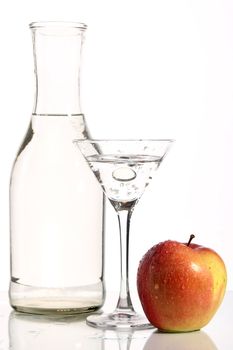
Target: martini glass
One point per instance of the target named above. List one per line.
(123, 168)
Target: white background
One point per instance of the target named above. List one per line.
(151, 69)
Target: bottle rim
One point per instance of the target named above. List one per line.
(57, 24)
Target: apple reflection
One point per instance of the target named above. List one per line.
(198, 340)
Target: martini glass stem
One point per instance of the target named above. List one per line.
(124, 212)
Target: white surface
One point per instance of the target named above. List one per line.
(24, 332)
(151, 69)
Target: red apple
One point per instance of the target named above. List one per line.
(181, 285)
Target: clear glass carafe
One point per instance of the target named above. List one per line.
(56, 205)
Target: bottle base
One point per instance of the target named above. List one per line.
(56, 301)
(45, 310)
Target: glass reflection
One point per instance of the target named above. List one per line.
(124, 340)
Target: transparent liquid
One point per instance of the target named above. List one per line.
(123, 177)
(56, 221)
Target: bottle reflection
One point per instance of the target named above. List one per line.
(35, 332)
(198, 340)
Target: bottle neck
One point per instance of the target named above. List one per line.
(57, 54)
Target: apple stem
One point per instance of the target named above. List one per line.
(190, 239)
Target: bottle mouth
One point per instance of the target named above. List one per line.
(58, 25)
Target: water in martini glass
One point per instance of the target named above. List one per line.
(123, 168)
(123, 177)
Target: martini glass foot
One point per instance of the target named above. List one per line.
(119, 320)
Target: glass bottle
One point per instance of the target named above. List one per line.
(56, 205)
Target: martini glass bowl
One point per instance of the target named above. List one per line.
(123, 168)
